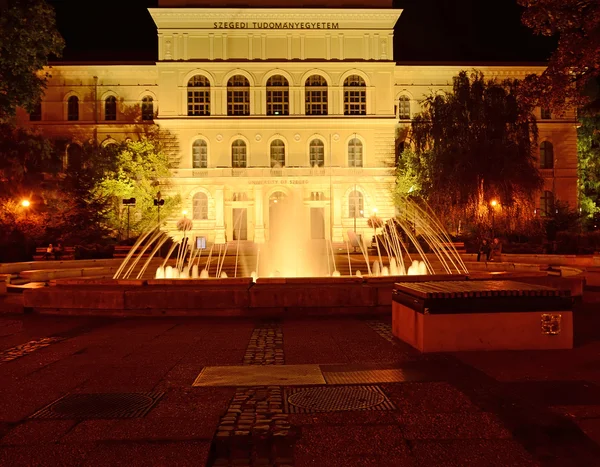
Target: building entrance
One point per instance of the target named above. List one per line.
(240, 224)
(317, 223)
(277, 207)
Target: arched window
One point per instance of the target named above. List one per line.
(238, 96)
(277, 153)
(199, 154)
(278, 96)
(73, 108)
(110, 108)
(356, 204)
(355, 153)
(198, 96)
(317, 153)
(404, 108)
(238, 154)
(147, 108)
(36, 114)
(546, 203)
(200, 206)
(315, 95)
(355, 96)
(546, 155)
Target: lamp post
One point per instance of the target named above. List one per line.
(128, 202)
(25, 203)
(493, 203)
(158, 202)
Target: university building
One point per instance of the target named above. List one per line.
(267, 104)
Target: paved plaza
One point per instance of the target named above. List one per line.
(325, 392)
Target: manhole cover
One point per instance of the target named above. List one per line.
(101, 405)
(330, 399)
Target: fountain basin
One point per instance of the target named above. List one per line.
(482, 315)
(235, 297)
(241, 297)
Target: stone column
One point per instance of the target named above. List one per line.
(259, 222)
(219, 216)
(336, 205)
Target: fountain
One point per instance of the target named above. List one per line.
(290, 273)
(290, 251)
(434, 305)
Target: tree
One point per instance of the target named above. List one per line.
(140, 171)
(28, 35)
(588, 151)
(577, 57)
(25, 155)
(473, 145)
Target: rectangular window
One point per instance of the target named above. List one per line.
(355, 102)
(277, 103)
(238, 102)
(199, 103)
(238, 157)
(316, 102)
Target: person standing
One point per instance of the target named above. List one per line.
(58, 251)
(49, 251)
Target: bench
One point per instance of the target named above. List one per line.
(40, 254)
(454, 316)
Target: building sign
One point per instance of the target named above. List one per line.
(274, 25)
(278, 181)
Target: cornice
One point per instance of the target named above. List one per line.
(171, 18)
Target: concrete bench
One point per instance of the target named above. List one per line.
(482, 315)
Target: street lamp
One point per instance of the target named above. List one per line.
(128, 202)
(158, 202)
(25, 203)
(493, 203)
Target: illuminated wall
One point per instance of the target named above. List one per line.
(369, 102)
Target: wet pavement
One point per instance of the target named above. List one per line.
(383, 404)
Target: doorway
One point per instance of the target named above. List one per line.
(240, 224)
(317, 223)
(277, 214)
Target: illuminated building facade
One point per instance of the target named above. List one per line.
(265, 104)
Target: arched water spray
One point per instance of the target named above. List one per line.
(392, 249)
(132, 252)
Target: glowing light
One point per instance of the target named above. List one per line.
(494, 203)
(25, 203)
(184, 212)
(374, 210)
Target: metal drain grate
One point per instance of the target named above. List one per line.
(335, 398)
(100, 405)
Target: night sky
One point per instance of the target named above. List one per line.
(428, 31)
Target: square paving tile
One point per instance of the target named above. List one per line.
(258, 375)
